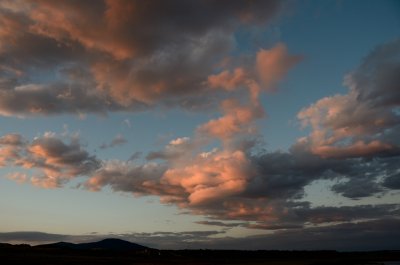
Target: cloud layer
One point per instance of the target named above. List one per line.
(233, 182)
(362, 236)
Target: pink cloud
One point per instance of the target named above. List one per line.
(273, 64)
(118, 55)
(357, 149)
(211, 178)
(52, 161)
(364, 121)
(228, 80)
(237, 119)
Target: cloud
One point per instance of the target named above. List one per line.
(392, 182)
(272, 65)
(31, 237)
(126, 176)
(117, 141)
(116, 55)
(220, 174)
(217, 223)
(319, 215)
(127, 123)
(363, 122)
(55, 162)
(11, 140)
(212, 178)
(228, 80)
(357, 188)
(10, 145)
(265, 188)
(174, 150)
(237, 119)
(360, 236)
(135, 155)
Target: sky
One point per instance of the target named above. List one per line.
(201, 124)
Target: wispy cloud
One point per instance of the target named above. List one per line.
(118, 140)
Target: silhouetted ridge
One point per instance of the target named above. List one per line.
(112, 243)
(107, 244)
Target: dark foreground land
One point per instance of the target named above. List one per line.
(45, 255)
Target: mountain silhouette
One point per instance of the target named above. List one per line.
(106, 244)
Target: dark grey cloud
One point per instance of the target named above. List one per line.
(274, 226)
(323, 214)
(285, 174)
(222, 224)
(31, 237)
(357, 188)
(392, 181)
(370, 235)
(128, 177)
(135, 155)
(377, 77)
(57, 162)
(118, 140)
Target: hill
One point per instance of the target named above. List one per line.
(105, 244)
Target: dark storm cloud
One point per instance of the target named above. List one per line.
(74, 57)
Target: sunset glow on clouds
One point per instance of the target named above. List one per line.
(113, 62)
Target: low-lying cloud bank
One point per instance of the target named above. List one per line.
(370, 235)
